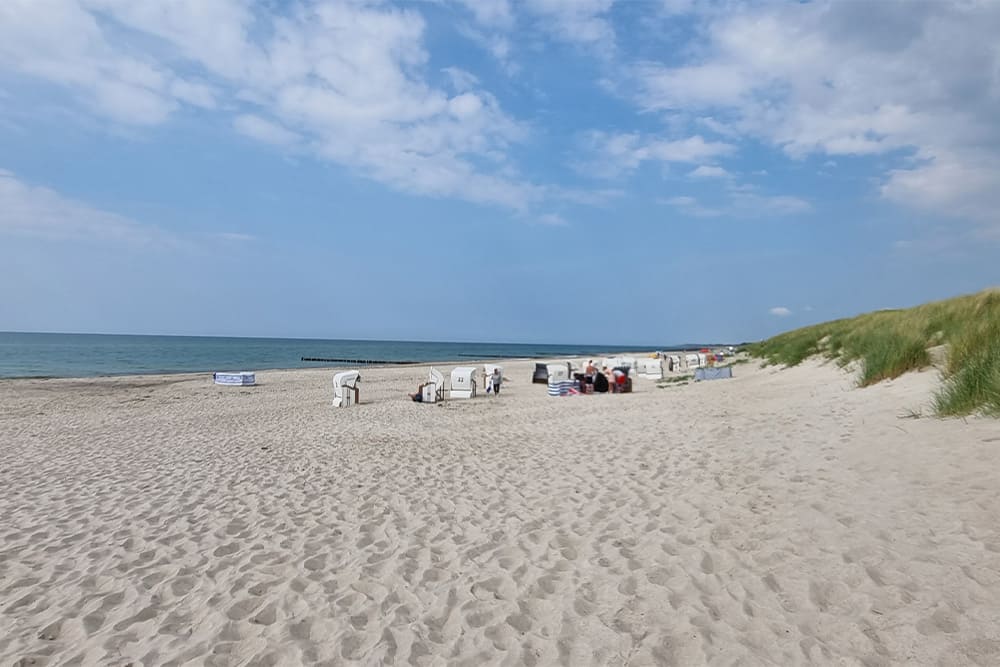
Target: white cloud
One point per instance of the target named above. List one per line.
(193, 93)
(64, 44)
(614, 153)
(347, 81)
(264, 130)
(691, 206)
(28, 210)
(497, 44)
(780, 311)
(493, 13)
(580, 21)
(751, 204)
(842, 78)
(553, 220)
(461, 80)
(741, 204)
(708, 171)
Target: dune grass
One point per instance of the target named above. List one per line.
(888, 343)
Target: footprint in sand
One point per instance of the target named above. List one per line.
(112, 600)
(93, 621)
(941, 620)
(658, 576)
(707, 566)
(146, 614)
(874, 575)
(315, 563)
(479, 617)
(226, 549)
(266, 616)
(242, 609)
(51, 631)
(520, 622)
(628, 586)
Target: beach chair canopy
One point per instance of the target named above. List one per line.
(541, 374)
(557, 371)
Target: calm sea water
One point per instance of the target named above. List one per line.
(86, 355)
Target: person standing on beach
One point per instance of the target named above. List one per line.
(496, 379)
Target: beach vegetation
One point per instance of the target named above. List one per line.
(887, 343)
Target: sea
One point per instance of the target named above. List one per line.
(55, 355)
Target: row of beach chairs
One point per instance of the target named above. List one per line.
(464, 384)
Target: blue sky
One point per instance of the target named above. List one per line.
(533, 171)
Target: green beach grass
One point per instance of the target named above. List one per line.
(888, 343)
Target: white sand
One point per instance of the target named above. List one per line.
(781, 517)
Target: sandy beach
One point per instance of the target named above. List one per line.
(780, 517)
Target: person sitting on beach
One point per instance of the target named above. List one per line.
(419, 396)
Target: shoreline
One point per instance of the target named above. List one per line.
(393, 365)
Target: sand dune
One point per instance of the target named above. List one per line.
(781, 517)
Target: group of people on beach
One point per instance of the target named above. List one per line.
(604, 381)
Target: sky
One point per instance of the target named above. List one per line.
(562, 171)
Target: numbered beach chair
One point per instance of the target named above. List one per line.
(463, 382)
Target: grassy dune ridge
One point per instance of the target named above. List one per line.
(888, 343)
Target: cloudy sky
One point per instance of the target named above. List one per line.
(569, 171)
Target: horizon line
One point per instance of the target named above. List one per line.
(373, 340)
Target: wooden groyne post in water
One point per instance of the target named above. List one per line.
(358, 362)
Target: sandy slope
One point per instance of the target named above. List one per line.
(776, 518)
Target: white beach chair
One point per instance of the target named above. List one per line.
(650, 368)
(558, 371)
(345, 388)
(463, 382)
(434, 388)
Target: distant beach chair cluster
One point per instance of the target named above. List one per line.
(563, 378)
